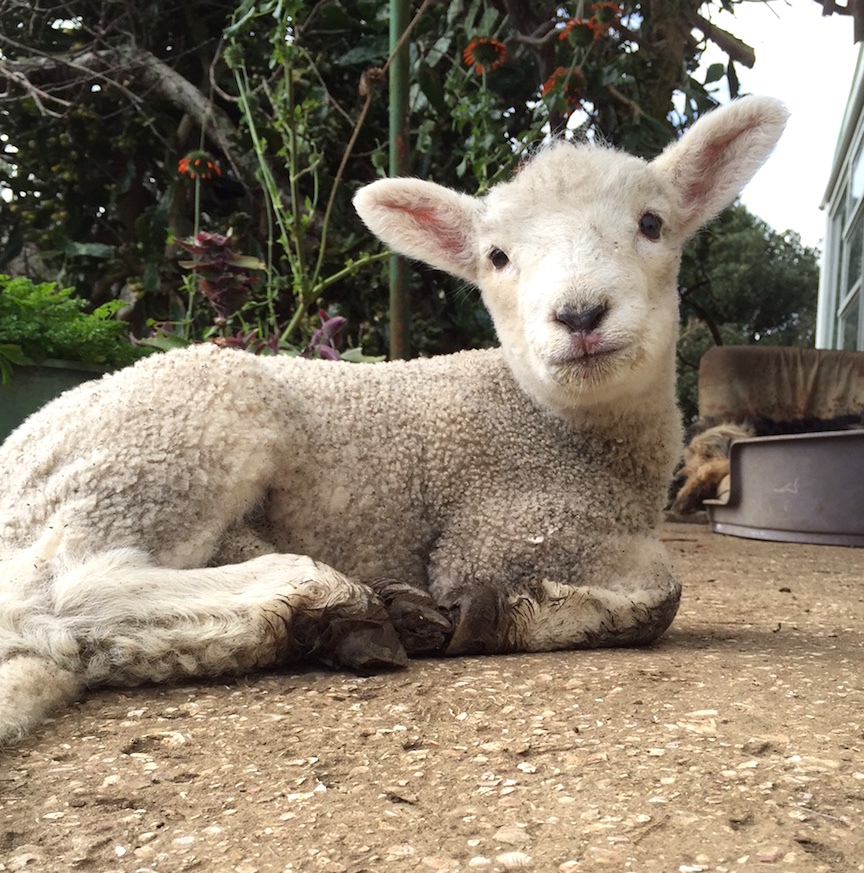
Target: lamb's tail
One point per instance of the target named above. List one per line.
(33, 684)
(31, 688)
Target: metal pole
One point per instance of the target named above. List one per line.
(399, 166)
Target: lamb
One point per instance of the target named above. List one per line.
(211, 512)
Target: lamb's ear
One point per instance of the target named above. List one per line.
(424, 221)
(710, 165)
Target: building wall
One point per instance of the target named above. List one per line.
(840, 317)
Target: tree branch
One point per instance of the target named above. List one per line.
(736, 49)
(855, 8)
(706, 319)
(105, 66)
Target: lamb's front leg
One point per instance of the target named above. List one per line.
(625, 595)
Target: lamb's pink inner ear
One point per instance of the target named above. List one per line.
(701, 175)
(449, 238)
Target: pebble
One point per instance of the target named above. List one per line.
(512, 835)
(437, 863)
(403, 850)
(513, 860)
(19, 862)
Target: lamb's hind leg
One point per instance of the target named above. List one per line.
(137, 622)
(422, 629)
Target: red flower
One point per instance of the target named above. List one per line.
(580, 32)
(198, 165)
(569, 82)
(606, 14)
(485, 54)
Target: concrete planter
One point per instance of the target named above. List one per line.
(33, 385)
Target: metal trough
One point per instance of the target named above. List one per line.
(806, 488)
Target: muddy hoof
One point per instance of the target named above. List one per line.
(364, 642)
(421, 627)
(478, 616)
(368, 647)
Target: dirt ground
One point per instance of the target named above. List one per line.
(734, 744)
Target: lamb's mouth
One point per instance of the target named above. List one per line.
(586, 356)
(584, 366)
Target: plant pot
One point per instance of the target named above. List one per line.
(33, 385)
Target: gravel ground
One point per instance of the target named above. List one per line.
(734, 744)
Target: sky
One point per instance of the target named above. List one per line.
(807, 60)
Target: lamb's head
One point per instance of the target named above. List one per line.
(577, 256)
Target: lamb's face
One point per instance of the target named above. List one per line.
(579, 257)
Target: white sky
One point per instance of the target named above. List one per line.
(807, 60)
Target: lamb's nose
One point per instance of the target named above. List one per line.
(581, 322)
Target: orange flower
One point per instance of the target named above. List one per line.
(198, 165)
(485, 54)
(580, 32)
(606, 16)
(569, 82)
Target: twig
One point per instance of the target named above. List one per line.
(367, 103)
(37, 94)
(734, 47)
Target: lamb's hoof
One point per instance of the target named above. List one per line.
(478, 616)
(421, 627)
(364, 642)
(369, 647)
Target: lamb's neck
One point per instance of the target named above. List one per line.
(648, 400)
(648, 418)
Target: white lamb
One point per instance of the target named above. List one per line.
(155, 525)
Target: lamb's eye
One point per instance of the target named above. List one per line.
(499, 259)
(650, 224)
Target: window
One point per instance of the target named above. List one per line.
(840, 318)
(847, 333)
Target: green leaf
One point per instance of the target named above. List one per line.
(432, 88)
(356, 356)
(374, 52)
(714, 73)
(247, 262)
(441, 47)
(164, 342)
(9, 355)
(109, 309)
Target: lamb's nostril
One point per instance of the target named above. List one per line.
(583, 321)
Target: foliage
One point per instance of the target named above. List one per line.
(743, 283)
(220, 273)
(105, 99)
(40, 321)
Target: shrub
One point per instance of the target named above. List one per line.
(44, 321)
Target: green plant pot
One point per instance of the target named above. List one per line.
(33, 385)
